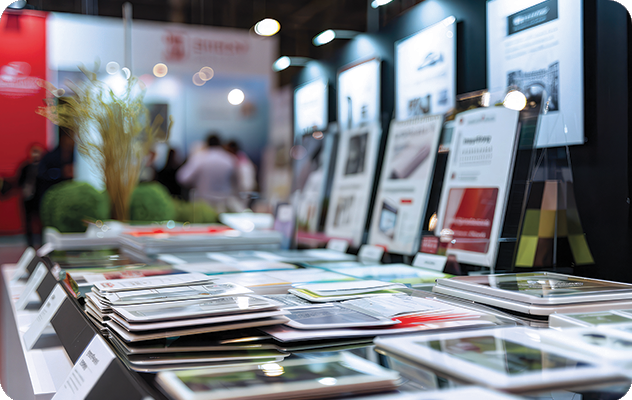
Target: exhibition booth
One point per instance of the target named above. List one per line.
(442, 209)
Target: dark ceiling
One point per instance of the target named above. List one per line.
(300, 20)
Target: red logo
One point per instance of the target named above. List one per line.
(176, 46)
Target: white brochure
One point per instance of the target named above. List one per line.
(476, 182)
(353, 183)
(151, 282)
(536, 46)
(359, 95)
(87, 370)
(404, 187)
(23, 263)
(46, 313)
(425, 71)
(32, 284)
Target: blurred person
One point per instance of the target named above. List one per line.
(58, 165)
(246, 171)
(27, 181)
(167, 176)
(147, 172)
(212, 173)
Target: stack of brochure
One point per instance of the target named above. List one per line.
(397, 273)
(337, 291)
(373, 316)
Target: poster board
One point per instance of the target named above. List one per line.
(476, 183)
(353, 183)
(425, 71)
(535, 45)
(311, 107)
(359, 94)
(404, 185)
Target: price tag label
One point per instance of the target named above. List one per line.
(32, 284)
(46, 313)
(45, 250)
(25, 260)
(87, 371)
(370, 253)
(430, 261)
(338, 245)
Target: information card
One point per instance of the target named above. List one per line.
(404, 185)
(475, 186)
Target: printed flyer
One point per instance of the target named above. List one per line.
(404, 185)
(425, 77)
(537, 46)
(476, 183)
(359, 94)
(310, 107)
(353, 183)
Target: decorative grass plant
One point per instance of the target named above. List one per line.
(112, 130)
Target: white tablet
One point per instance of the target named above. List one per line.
(589, 319)
(464, 393)
(508, 359)
(610, 346)
(542, 288)
(291, 379)
(333, 317)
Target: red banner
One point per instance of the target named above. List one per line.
(22, 62)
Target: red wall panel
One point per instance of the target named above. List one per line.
(22, 62)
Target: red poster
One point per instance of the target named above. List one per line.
(470, 214)
(22, 62)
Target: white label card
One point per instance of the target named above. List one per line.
(370, 253)
(24, 262)
(285, 213)
(87, 370)
(46, 313)
(45, 250)
(31, 285)
(338, 245)
(430, 261)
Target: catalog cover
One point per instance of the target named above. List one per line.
(476, 183)
(353, 183)
(537, 46)
(425, 77)
(359, 94)
(404, 185)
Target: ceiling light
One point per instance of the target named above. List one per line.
(330, 34)
(284, 62)
(379, 3)
(236, 97)
(267, 27)
(515, 100)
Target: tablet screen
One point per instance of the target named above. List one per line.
(502, 356)
(601, 318)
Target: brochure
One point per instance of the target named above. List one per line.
(348, 288)
(172, 294)
(475, 187)
(404, 184)
(311, 296)
(353, 183)
(396, 273)
(332, 317)
(203, 357)
(302, 378)
(152, 282)
(196, 308)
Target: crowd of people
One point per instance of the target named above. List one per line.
(220, 174)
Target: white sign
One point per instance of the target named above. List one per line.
(87, 370)
(32, 284)
(425, 77)
(338, 245)
(370, 253)
(430, 261)
(46, 313)
(359, 95)
(353, 183)
(23, 263)
(404, 186)
(475, 186)
(310, 107)
(537, 45)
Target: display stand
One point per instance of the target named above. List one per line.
(40, 372)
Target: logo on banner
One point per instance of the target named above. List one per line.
(15, 80)
(180, 46)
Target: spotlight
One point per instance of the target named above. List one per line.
(267, 27)
(284, 62)
(330, 34)
(515, 100)
(379, 3)
(236, 97)
(160, 70)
